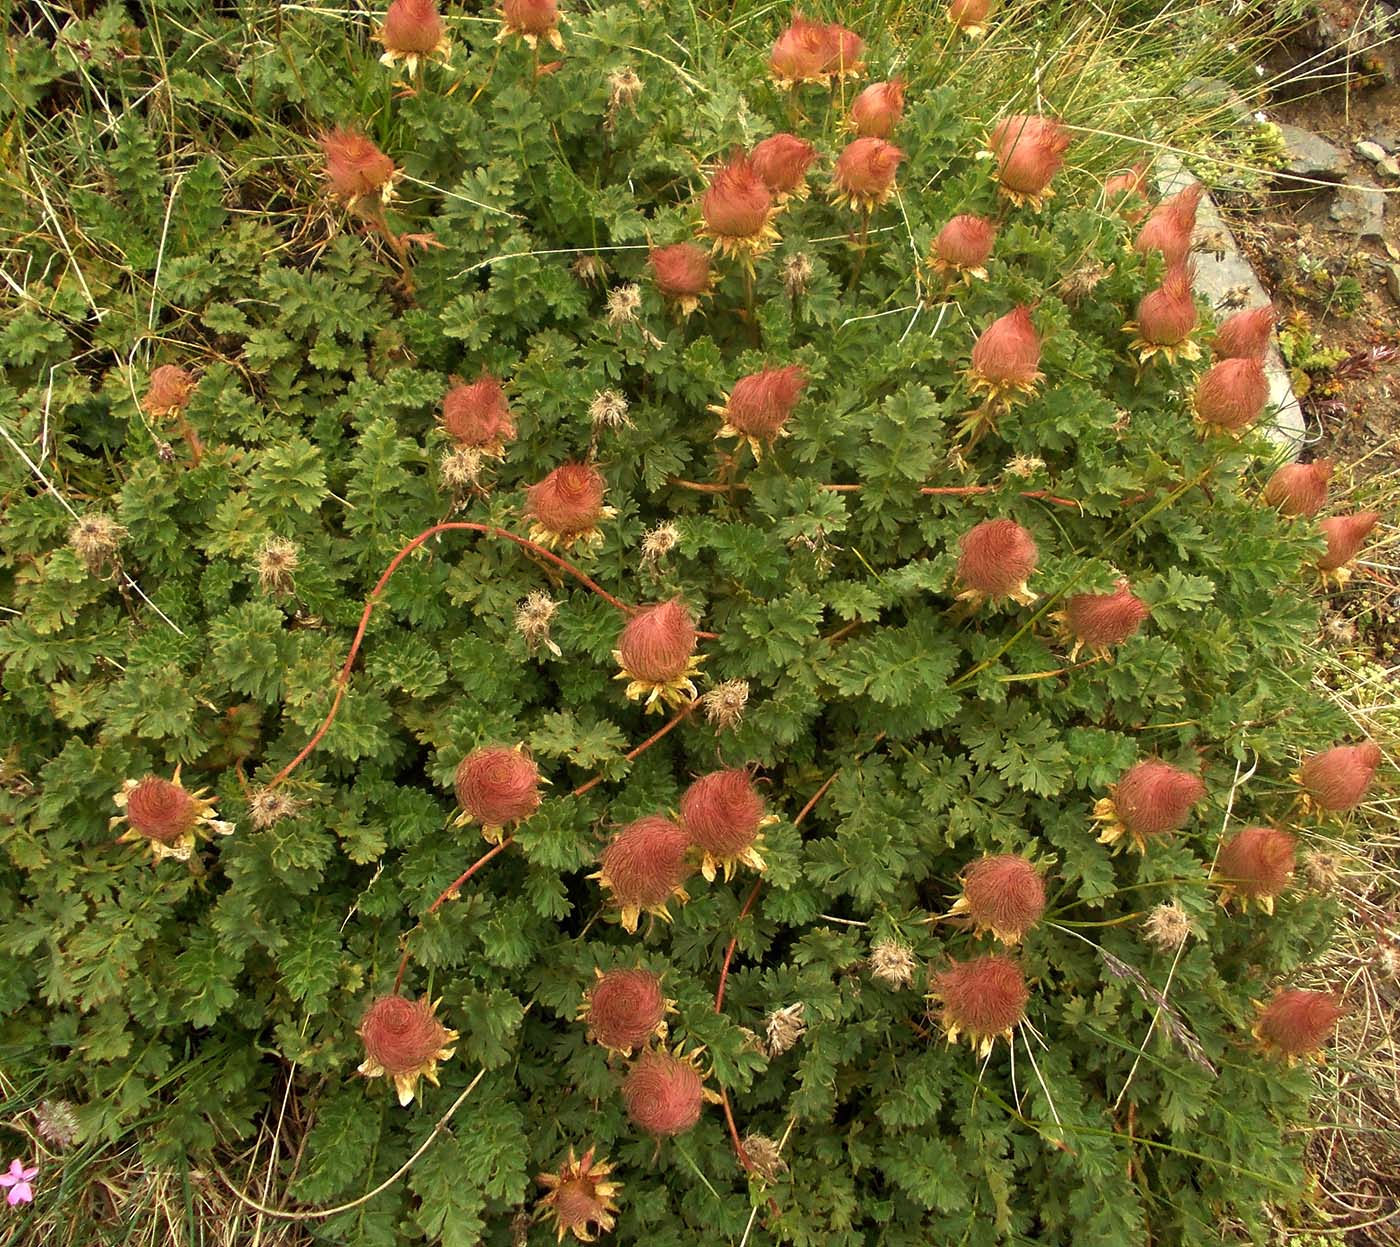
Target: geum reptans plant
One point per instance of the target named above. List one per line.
(681, 413)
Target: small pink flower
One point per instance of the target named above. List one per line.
(19, 1180)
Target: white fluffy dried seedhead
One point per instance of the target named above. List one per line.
(1024, 466)
(784, 1028)
(95, 539)
(624, 90)
(1167, 927)
(608, 410)
(532, 620)
(797, 273)
(461, 468)
(1321, 870)
(892, 963)
(724, 704)
(56, 1122)
(624, 302)
(1081, 283)
(658, 543)
(765, 1157)
(592, 270)
(267, 807)
(277, 564)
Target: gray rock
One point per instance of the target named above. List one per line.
(1392, 281)
(1225, 277)
(1216, 93)
(1387, 136)
(1310, 156)
(1373, 152)
(1358, 208)
(1390, 166)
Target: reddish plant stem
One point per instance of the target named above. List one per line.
(447, 892)
(489, 530)
(729, 952)
(632, 755)
(957, 491)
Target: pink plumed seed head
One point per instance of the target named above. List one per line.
(1299, 488)
(475, 414)
(625, 1008)
(645, 862)
(681, 271)
(736, 204)
(781, 162)
(412, 27)
(1337, 778)
(1101, 620)
(663, 1093)
(1345, 534)
(723, 812)
(1231, 394)
(1154, 797)
(1170, 226)
(1029, 151)
(401, 1035)
(569, 501)
(983, 997)
(969, 14)
(355, 167)
(877, 110)
(1166, 316)
(658, 642)
(1296, 1022)
(1245, 335)
(497, 785)
(865, 169)
(997, 557)
(161, 810)
(966, 242)
(1007, 352)
(530, 17)
(1258, 862)
(1005, 894)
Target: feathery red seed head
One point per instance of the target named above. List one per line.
(736, 204)
(722, 812)
(658, 642)
(1005, 894)
(965, 242)
(1345, 534)
(412, 27)
(1296, 1022)
(760, 404)
(781, 162)
(1245, 335)
(530, 17)
(1337, 778)
(1007, 351)
(1299, 488)
(1153, 797)
(876, 111)
(663, 1093)
(1029, 151)
(998, 557)
(498, 785)
(1171, 225)
(645, 862)
(401, 1035)
(170, 388)
(161, 810)
(983, 997)
(800, 52)
(1232, 394)
(842, 48)
(355, 167)
(969, 14)
(1167, 315)
(569, 501)
(1257, 862)
(865, 169)
(476, 414)
(682, 270)
(1100, 620)
(625, 1007)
